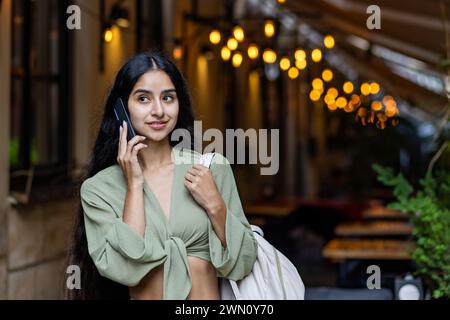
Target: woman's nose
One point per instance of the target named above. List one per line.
(157, 109)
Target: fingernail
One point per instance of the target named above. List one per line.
(123, 123)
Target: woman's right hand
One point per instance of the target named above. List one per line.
(127, 157)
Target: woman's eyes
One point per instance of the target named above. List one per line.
(143, 99)
(168, 98)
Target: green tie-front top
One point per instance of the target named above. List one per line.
(124, 256)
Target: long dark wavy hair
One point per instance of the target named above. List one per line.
(104, 154)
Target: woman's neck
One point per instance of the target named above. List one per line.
(156, 155)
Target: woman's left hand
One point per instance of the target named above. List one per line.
(200, 182)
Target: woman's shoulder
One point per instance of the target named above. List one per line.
(104, 180)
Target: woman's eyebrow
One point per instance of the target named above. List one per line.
(142, 91)
(150, 92)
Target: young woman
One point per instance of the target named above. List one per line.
(153, 223)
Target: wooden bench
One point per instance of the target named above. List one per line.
(368, 249)
(374, 228)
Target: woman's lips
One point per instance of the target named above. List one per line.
(158, 125)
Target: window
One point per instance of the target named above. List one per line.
(40, 97)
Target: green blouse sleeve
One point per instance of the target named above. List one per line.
(118, 252)
(237, 259)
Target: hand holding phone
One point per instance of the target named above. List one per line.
(122, 115)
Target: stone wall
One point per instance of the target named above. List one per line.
(38, 237)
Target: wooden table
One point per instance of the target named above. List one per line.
(374, 228)
(376, 249)
(270, 209)
(381, 212)
(257, 214)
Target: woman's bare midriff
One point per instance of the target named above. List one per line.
(205, 284)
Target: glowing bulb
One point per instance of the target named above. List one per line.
(281, 1)
(348, 87)
(314, 95)
(301, 64)
(391, 110)
(355, 100)
(365, 89)
(108, 35)
(269, 28)
(333, 92)
(327, 75)
(328, 42)
(300, 55)
(232, 44)
(214, 37)
(329, 99)
(376, 105)
(253, 51)
(225, 53)
(341, 102)
(285, 63)
(293, 72)
(177, 52)
(316, 55)
(387, 98)
(238, 33)
(317, 84)
(332, 106)
(269, 56)
(374, 88)
(237, 59)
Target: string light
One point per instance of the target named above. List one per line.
(316, 55)
(269, 28)
(269, 56)
(329, 99)
(214, 37)
(341, 102)
(333, 92)
(232, 44)
(285, 63)
(374, 88)
(238, 33)
(376, 105)
(300, 64)
(225, 53)
(253, 51)
(293, 72)
(365, 89)
(327, 75)
(300, 55)
(237, 59)
(332, 106)
(355, 100)
(317, 84)
(328, 42)
(348, 87)
(314, 95)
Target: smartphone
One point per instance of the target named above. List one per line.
(122, 115)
